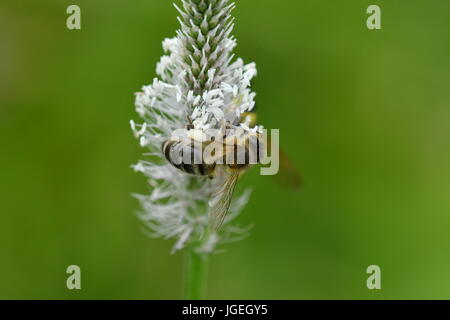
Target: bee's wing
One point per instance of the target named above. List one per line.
(222, 200)
(288, 174)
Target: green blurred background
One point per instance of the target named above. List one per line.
(365, 116)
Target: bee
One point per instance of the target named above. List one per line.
(229, 157)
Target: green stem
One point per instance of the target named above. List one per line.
(196, 274)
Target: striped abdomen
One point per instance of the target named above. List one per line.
(182, 154)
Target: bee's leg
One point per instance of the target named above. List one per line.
(225, 129)
(189, 125)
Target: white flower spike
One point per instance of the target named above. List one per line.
(200, 79)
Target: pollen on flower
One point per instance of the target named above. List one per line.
(199, 79)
